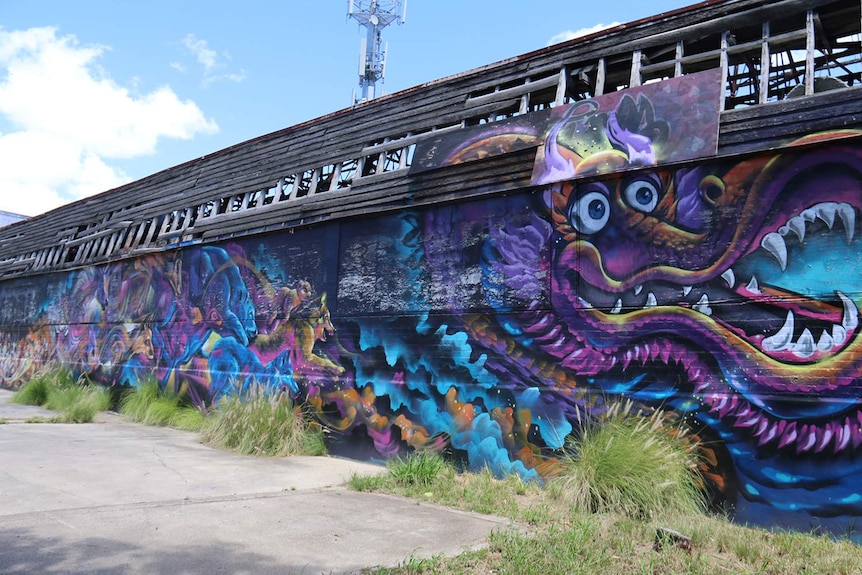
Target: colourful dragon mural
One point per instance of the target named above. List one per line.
(724, 290)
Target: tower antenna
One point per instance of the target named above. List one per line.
(374, 16)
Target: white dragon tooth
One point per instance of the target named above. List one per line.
(826, 212)
(774, 244)
(770, 435)
(844, 435)
(839, 335)
(808, 215)
(850, 319)
(617, 307)
(796, 224)
(650, 300)
(729, 277)
(782, 338)
(584, 303)
(828, 434)
(753, 286)
(702, 305)
(638, 289)
(762, 426)
(825, 343)
(686, 290)
(805, 444)
(804, 346)
(847, 213)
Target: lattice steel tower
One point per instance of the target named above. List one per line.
(374, 15)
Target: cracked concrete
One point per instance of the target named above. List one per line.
(115, 497)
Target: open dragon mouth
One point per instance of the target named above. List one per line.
(775, 301)
(787, 299)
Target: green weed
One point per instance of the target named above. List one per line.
(189, 418)
(428, 476)
(33, 392)
(421, 468)
(40, 419)
(359, 482)
(149, 405)
(77, 401)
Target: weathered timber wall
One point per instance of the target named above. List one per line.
(488, 326)
(237, 191)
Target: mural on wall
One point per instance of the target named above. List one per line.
(725, 291)
(660, 122)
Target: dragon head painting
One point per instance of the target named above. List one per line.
(724, 290)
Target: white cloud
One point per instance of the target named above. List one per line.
(570, 34)
(213, 63)
(201, 50)
(70, 119)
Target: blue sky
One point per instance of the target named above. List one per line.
(96, 93)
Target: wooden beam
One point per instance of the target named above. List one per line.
(560, 96)
(765, 62)
(510, 93)
(600, 78)
(635, 77)
(809, 52)
(723, 66)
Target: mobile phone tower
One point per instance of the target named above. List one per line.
(374, 16)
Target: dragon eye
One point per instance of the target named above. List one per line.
(589, 214)
(642, 195)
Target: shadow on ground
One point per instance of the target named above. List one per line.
(22, 551)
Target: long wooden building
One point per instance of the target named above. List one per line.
(664, 212)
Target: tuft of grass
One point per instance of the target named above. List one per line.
(563, 549)
(40, 419)
(414, 564)
(33, 392)
(361, 482)
(258, 423)
(429, 476)
(262, 423)
(149, 405)
(77, 401)
(420, 468)
(189, 418)
(631, 464)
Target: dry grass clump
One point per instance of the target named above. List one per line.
(641, 466)
(265, 423)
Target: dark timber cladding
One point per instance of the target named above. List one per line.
(349, 163)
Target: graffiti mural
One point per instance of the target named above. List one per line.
(669, 121)
(724, 290)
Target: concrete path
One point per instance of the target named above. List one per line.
(115, 497)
